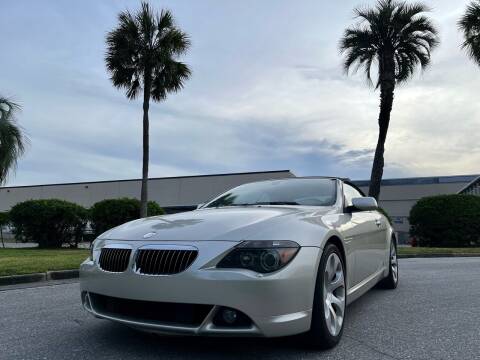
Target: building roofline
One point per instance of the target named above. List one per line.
(155, 178)
(469, 185)
(422, 180)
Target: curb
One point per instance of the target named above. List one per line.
(416, 256)
(72, 274)
(37, 277)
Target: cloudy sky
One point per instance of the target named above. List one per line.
(267, 93)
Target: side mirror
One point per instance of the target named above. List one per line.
(365, 203)
(200, 205)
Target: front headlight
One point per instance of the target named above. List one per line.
(260, 256)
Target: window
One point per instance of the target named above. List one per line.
(350, 192)
(310, 192)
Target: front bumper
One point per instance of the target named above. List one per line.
(278, 304)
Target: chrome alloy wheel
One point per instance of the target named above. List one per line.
(393, 262)
(334, 294)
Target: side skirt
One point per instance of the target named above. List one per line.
(361, 288)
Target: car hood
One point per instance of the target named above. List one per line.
(232, 223)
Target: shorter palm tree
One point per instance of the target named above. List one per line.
(142, 56)
(469, 24)
(12, 139)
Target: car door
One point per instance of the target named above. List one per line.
(362, 237)
(380, 243)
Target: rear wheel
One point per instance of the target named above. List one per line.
(328, 313)
(391, 281)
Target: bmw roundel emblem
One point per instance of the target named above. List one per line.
(148, 235)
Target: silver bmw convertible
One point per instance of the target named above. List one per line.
(271, 258)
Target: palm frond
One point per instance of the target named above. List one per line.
(145, 45)
(170, 78)
(469, 24)
(392, 31)
(13, 141)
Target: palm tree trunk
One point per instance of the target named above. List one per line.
(387, 87)
(146, 146)
(1, 236)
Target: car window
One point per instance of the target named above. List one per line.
(311, 192)
(350, 192)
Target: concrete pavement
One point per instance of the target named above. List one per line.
(434, 314)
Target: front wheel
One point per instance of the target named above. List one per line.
(391, 281)
(328, 313)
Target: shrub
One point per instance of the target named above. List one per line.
(50, 223)
(109, 213)
(446, 221)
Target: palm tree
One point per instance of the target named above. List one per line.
(396, 37)
(469, 23)
(12, 139)
(142, 54)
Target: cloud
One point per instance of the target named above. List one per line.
(261, 97)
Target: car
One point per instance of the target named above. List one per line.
(269, 259)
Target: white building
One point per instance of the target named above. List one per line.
(472, 189)
(185, 192)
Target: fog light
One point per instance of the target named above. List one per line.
(229, 316)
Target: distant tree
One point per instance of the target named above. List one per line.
(12, 139)
(396, 37)
(142, 54)
(469, 24)
(3, 222)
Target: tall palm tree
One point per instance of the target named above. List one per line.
(469, 23)
(142, 55)
(12, 139)
(396, 37)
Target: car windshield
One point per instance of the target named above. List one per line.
(310, 192)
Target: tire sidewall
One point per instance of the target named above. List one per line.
(393, 283)
(319, 334)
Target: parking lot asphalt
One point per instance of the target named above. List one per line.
(433, 314)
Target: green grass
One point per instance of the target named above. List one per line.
(28, 261)
(436, 251)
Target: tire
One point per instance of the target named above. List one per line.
(330, 296)
(391, 281)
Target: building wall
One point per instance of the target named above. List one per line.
(472, 189)
(182, 193)
(168, 192)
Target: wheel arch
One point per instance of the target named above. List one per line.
(335, 240)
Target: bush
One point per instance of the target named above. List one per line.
(446, 221)
(109, 213)
(51, 223)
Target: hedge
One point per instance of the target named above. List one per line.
(446, 221)
(50, 223)
(109, 213)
